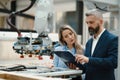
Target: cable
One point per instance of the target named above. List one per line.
(18, 12)
(102, 9)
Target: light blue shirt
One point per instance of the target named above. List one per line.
(57, 61)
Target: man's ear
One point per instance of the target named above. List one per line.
(101, 21)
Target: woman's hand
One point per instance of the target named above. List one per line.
(72, 66)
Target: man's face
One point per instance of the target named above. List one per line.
(93, 25)
(93, 31)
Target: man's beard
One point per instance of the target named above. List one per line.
(93, 31)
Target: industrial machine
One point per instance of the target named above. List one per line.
(37, 46)
(44, 21)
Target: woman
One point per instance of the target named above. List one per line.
(69, 41)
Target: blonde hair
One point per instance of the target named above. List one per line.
(77, 46)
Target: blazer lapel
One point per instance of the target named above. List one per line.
(99, 43)
(89, 47)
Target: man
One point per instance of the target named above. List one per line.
(101, 50)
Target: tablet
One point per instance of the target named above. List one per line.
(67, 57)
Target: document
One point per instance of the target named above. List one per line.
(67, 57)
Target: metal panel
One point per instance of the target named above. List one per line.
(111, 2)
(118, 69)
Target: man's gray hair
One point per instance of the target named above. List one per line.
(94, 12)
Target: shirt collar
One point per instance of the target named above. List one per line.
(72, 50)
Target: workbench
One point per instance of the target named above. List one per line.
(42, 71)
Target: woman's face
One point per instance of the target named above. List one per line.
(68, 37)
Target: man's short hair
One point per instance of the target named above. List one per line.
(94, 12)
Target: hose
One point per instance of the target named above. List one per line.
(14, 14)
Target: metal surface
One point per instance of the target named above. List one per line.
(44, 16)
(118, 69)
(39, 67)
(110, 2)
(51, 72)
(41, 71)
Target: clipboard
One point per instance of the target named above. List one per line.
(67, 57)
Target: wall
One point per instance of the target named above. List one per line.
(6, 51)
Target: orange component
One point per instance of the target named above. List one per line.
(40, 57)
(51, 57)
(30, 55)
(21, 56)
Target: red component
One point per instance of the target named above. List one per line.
(19, 35)
(30, 55)
(21, 56)
(51, 57)
(40, 57)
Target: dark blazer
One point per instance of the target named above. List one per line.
(102, 63)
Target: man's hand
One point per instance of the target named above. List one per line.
(82, 59)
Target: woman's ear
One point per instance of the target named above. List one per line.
(63, 40)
